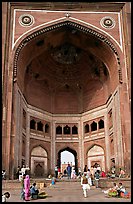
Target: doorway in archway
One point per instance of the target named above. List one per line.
(67, 155)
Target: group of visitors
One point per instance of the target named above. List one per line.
(28, 191)
(69, 171)
(22, 171)
(93, 174)
(89, 177)
(116, 190)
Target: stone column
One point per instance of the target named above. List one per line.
(82, 159)
(80, 144)
(53, 159)
(107, 145)
(118, 148)
(27, 157)
(18, 127)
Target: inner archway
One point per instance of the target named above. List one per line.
(71, 157)
(67, 157)
(38, 162)
(96, 155)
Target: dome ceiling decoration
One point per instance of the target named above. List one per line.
(68, 67)
(66, 61)
(66, 54)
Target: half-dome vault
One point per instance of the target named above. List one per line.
(63, 71)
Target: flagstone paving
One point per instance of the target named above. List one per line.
(67, 192)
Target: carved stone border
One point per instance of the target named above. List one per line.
(58, 25)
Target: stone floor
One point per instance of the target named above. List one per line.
(67, 192)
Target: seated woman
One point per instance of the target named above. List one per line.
(34, 191)
(122, 173)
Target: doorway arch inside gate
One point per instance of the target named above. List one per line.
(71, 151)
(95, 155)
(39, 162)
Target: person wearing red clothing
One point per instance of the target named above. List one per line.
(103, 174)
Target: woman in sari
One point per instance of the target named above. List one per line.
(27, 187)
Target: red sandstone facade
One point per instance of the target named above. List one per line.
(66, 84)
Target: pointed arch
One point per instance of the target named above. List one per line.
(67, 148)
(68, 23)
(39, 161)
(95, 154)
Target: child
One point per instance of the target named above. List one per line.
(5, 196)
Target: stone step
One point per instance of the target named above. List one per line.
(16, 184)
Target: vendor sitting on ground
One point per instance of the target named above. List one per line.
(120, 189)
(34, 191)
(115, 187)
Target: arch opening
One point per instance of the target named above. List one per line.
(71, 156)
(39, 162)
(62, 65)
(95, 155)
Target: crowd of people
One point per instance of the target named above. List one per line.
(28, 191)
(95, 172)
(89, 177)
(69, 172)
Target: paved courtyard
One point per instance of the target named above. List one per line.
(67, 192)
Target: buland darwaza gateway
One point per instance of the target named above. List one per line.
(66, 85)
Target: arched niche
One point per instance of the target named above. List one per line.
(96, 155)
(39, 162)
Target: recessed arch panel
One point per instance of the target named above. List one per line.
(71, 24)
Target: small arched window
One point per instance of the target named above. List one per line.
(46, 128)
(74, 130)
(32, 124)
(40, 126)
(66, 130)
(58, 130)
(86, 128)
(93, 126)
(101, 124)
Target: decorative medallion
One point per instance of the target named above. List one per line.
(107, 22)
(26, 20)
